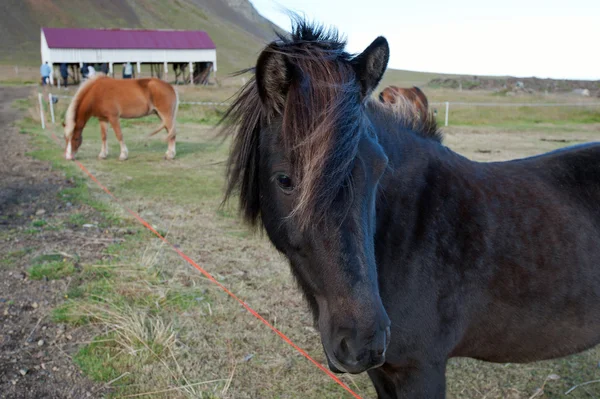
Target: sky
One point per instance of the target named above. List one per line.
(548, 39)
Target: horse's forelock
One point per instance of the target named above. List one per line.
(320, 133)
(320, 126)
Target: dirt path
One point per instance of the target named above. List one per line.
(35, 353)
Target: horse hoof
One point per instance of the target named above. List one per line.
(102, 156)
(122, 158)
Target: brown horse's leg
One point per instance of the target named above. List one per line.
(169, 123)
(117, 128)
(104, 150)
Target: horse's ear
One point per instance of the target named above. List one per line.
(370, 65)
(272, 77)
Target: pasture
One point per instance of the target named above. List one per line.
(162, 330)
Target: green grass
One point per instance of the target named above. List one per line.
(11, 259)
(97, 360)
(39, 223)
(519, 117)
(77, 219)
(52, 270)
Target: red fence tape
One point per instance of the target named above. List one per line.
(211, 278)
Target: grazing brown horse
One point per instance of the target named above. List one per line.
(402, 98)
(110, 99)
(408, 253)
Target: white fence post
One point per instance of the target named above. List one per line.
(51, 107)
(447, 110)
(42, 110)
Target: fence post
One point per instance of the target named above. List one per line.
(42, 110)
(51, 107)
(447, 110)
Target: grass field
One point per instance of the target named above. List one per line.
(162, 328)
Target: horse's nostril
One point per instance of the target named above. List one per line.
(380, 351)
(343, 346)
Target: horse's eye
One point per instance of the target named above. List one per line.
(284, 182)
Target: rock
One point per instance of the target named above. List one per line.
(23, 371)
(40, 212)
(89, 225)
(34, 305)
(41, 342)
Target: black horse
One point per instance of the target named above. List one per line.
(407, 252)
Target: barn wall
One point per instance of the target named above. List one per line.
(58, 55)
(45, 51)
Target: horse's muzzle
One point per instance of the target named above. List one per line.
(355, 356)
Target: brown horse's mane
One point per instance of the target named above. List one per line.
(407, 115)
(321, 122)
(72, 109)
(411, 110)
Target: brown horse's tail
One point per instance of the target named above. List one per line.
(172, 133)
(161, 127)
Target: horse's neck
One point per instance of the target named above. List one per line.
(419, 169)
(405, 148)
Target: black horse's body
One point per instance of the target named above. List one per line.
(407, 252)
(494, 261)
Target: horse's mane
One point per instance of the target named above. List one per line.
(408, 114)
(321, 121)
(72, 109)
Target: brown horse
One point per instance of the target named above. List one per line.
(409, 99)
(110, 99)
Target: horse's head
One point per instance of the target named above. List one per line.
(408, 101)
(72, 143)
(307, 164)
(73, 137)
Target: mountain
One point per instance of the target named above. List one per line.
(237, 29)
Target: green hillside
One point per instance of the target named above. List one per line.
(236, 28)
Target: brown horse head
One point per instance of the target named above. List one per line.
(73, 124)
(412, 98)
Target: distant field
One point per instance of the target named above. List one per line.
(194, 333)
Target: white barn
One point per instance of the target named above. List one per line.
(116, 46)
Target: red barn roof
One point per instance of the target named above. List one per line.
(127, 39)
